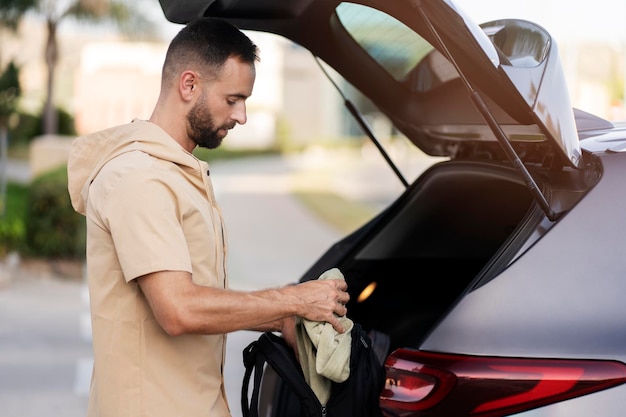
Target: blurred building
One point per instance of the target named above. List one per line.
(118, 81)
(115, 82)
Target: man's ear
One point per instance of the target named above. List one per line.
(187, 85)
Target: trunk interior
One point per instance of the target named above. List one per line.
(428, 246)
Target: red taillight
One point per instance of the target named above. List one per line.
(431, 384)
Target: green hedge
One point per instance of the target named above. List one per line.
(29, 126)
(53, 228)
(12, 219)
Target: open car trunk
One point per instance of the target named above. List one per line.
(492, 98)
(458, 219)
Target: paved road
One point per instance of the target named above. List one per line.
(44, 351)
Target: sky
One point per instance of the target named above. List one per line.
(569, 22)
(597, 20)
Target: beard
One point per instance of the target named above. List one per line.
(201, 126)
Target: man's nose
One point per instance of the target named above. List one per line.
(240, 115)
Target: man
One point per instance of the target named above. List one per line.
(156, 244)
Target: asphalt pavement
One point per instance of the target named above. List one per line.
(45, 340)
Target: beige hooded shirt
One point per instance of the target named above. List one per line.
(149, 206)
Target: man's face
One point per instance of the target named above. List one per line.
(221, 104)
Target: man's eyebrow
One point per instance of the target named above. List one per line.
(239, 95)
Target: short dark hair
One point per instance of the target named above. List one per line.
(206, 43)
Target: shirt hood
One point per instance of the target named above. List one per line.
(88, 154)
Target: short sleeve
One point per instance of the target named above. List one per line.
(145, 223)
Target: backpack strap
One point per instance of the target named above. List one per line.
(274, 350)
(251, 362)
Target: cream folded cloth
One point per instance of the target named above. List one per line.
(323, 352)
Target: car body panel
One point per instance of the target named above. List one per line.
(540, 282)
(604, 403)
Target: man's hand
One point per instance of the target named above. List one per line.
(322, 300)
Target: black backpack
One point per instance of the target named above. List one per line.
(358, 396)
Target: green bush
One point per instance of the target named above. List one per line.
(28, 126)
(12, 220)
(53, 228)
(11, 233)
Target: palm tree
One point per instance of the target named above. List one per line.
(55, 12)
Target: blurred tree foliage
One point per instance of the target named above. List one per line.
(11, 12)
(9, 92)
(123, 14)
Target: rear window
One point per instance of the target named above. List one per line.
(395, 46)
